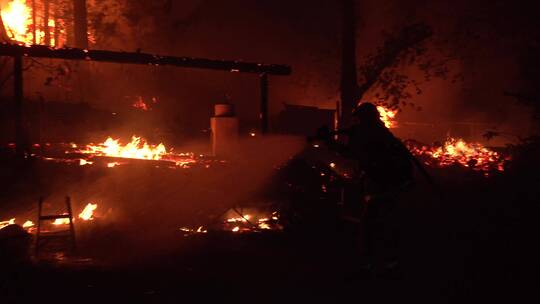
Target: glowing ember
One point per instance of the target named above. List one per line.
(88, 212)
(17, 19)
(140, 104)
(7, 223)
(137, 148)
(457, 151)
(253, 223)
(28, 224)
(388, 116)
(189, 230)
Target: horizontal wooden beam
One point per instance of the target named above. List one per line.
(40, 51)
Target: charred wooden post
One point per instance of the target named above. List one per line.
(20, 139)
(264, 103)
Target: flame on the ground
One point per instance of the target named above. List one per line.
(198, 230)
(27, 225)
(83, 162)
(61, 221)
(388, 116)
(7, 223)
(17, 18)
(137, 148)
(249, 222)
(244, 218)
(458, 151)
(88, 213)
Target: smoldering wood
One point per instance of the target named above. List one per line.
(39, 51)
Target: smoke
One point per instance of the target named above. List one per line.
(141, 204)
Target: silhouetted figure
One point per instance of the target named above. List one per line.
(387, 170)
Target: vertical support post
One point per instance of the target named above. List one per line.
(18, 106)
(264, 103)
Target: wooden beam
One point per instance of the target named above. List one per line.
(39, 51)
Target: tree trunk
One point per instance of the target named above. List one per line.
(57, 24)
(80, 24)
(34, 25)
(46, 17)
(348, 69)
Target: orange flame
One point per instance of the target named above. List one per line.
(88, 213)
(17, 19)
(137, 148)
(388, 116)
(28, 224)
(7, 223)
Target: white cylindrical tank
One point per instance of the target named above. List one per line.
(224, 125)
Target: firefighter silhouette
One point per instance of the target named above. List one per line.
(386, 168)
